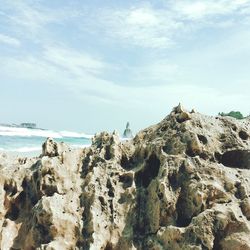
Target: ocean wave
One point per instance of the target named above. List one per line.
(22, 149)
(80, 146)
(13, 131)
(74, 134)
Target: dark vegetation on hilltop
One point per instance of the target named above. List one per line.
(235, 114)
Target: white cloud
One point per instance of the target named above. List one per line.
(63, 67)
(147, 82)
(93, 91)
(21, 14)
(74, 61)
(29, 68)
(31, 19)
(156, 72)
(149, 27)
(143, 17)
(207, 8)
(9, 40)
(88, 86)
(140, 26)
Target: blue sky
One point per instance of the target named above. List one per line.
(94, 65)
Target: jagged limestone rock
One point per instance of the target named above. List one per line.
(180, 184)
(52, 148)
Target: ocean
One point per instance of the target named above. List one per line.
(28, 142)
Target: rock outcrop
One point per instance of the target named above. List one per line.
(180, 184)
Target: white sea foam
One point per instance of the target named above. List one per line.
(125, 139)
(22, 149)
(74, 134)
(13, 131)
(80, 146)
(26, 149)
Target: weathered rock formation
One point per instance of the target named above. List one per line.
(181, 184)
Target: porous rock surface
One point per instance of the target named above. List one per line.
(180, 184)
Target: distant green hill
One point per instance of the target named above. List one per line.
(235, 114)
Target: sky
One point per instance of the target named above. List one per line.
(91, 65)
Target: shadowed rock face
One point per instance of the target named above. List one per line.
(180, 184)
(238, 158)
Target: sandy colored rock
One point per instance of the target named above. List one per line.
(180, 184)
(52, 148)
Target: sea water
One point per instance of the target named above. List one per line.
(24, 141)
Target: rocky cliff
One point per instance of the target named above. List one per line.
(180, 184)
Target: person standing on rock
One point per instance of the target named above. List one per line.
(127, 132)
